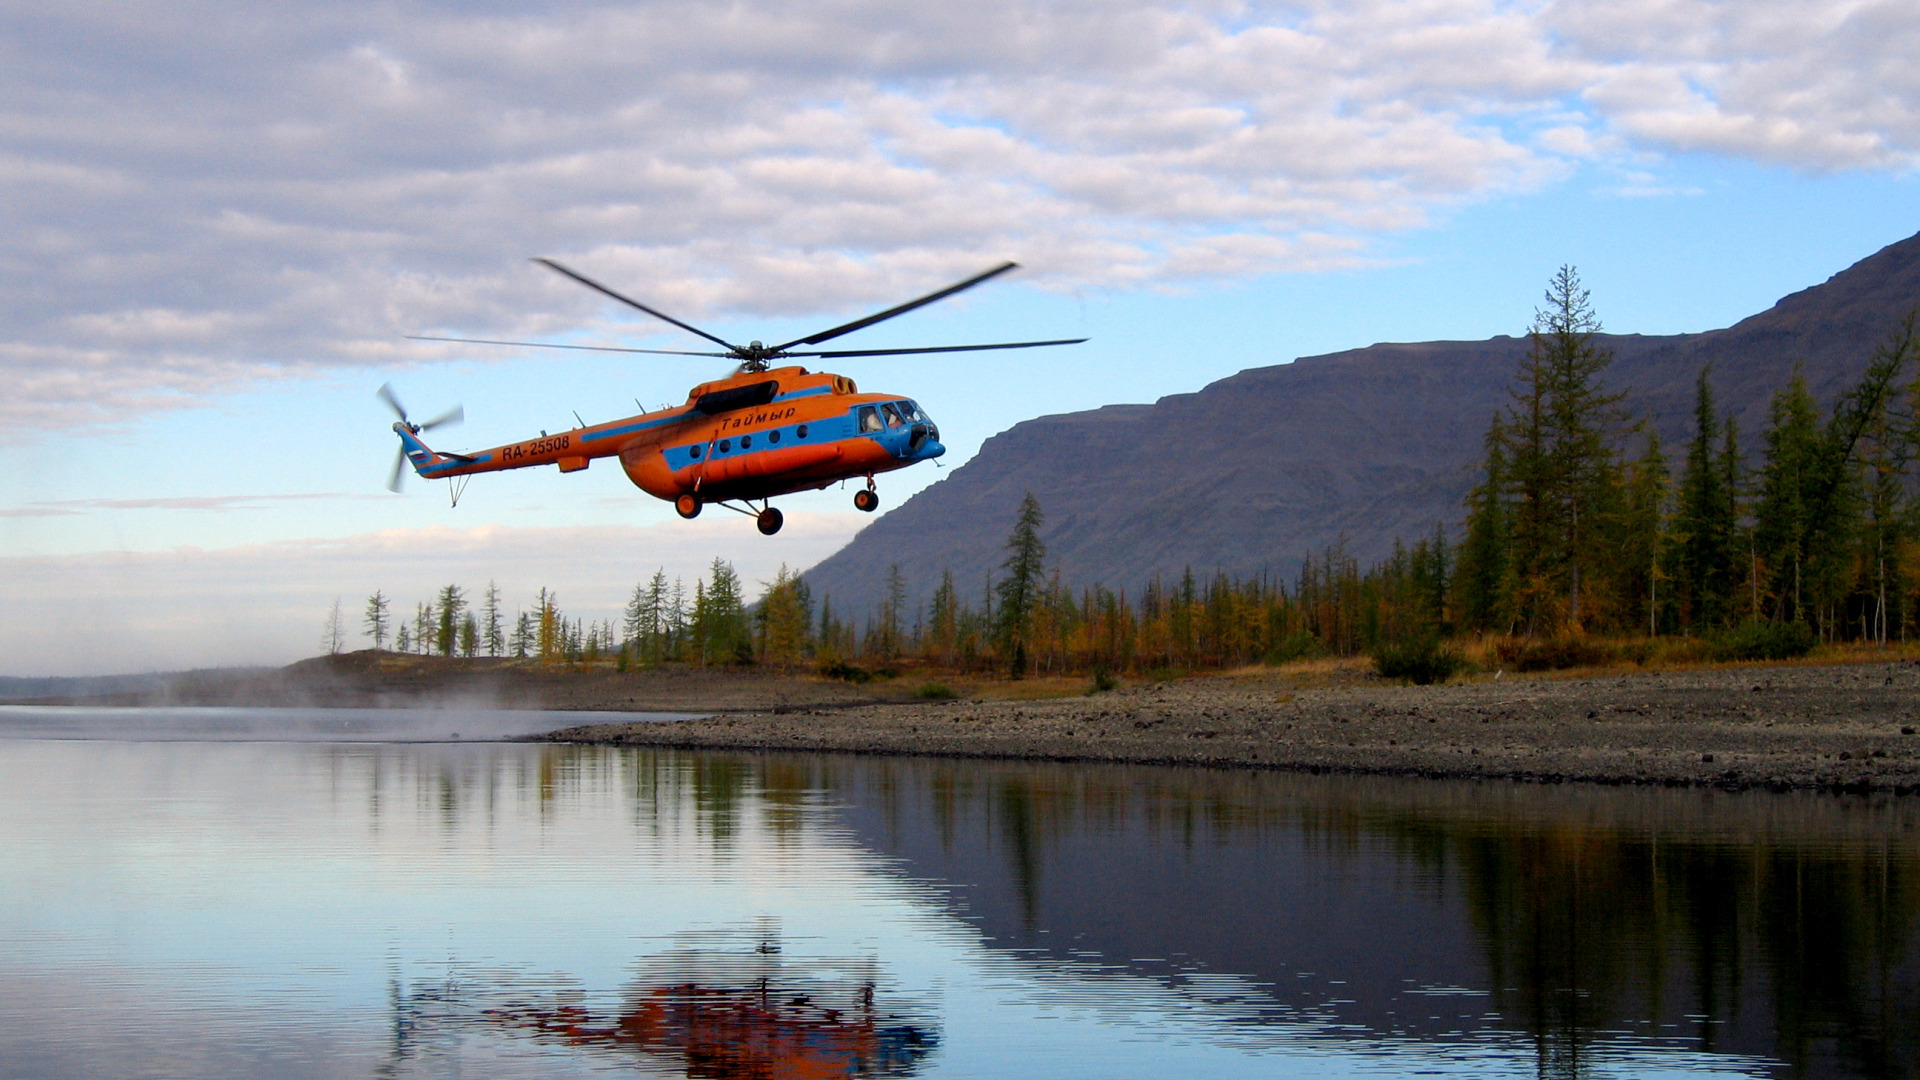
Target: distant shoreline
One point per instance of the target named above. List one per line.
(1796, 726)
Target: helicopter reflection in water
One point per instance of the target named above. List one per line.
(721, 1010)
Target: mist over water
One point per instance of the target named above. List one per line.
(296, 907)
(189, 723)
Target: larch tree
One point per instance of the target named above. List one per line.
(1481, 577)
(1566, 465)
(1019, 589)
(495, 640)
(376, 619)
(453, 603)
(1706, 521)
(333, 635)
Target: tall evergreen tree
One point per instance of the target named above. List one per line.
(943, 623)
(1565, 469)
(1643, 539)
(376, 619)
(1483, 575)
(1707, 520)
(453, 602)
(1789, 487)
(1020, 588)
(493, 638)
(783, 620)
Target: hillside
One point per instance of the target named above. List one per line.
(1255, 470)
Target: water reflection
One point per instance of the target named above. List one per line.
(509, 910)
(735, 1015)
(1585, 919)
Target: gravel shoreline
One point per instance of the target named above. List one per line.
(1847, 728)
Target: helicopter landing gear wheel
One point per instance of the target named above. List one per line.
(687, 506)
(770, 521)
(866, 499)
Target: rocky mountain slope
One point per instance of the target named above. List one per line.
(1254, 471)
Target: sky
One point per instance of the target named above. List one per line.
(219, 220)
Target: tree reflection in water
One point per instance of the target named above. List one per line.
(1754, 923)
(1280, 906)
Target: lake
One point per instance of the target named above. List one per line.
(326, 893)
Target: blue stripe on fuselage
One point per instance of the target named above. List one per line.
(830, 429)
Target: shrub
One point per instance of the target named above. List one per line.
(1419, 661)
(1553, 654)
(1298, 646)
(845, 672)
(934, 691)
(1103, 681)
(1762, 641)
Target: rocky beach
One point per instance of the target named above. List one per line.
(1847, 727)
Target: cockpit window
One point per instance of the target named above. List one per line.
(913, 412)
(894, 419)
(869, 419)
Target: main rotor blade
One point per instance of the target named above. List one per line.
(553, 345)
(455, 415)
(939, 348)
(630, 302)
(385, 393)
(399, 462)
(857, 324)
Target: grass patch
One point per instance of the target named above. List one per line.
(934, 691)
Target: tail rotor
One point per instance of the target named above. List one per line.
(446, 419)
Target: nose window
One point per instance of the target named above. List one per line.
(913, 412)
(869, 419)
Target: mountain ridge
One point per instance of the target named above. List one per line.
(1251, 472)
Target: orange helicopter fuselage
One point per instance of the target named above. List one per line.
(752, 435)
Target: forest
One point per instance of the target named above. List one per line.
(1584, 539)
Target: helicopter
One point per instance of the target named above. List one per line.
(758, 433)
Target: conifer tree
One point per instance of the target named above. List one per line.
(1789, 484)
(333, 635)
(943, 622)
(1706, 523)
(453, 602)
(783, 621)
(890, 612)
(1563, 466)
(1483, 574)
(1018, 591)
(494, 639)
(376, 619)
(1643, 538)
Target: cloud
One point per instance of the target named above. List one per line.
(116, 612)
(208, 503)
(204, 195)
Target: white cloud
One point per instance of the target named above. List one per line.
(110, 612)
(201, 195)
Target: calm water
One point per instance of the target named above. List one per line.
(195, 904)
